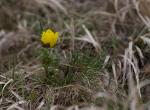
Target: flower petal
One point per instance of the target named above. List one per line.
(46, 36)
(56, 37)
(52, 40)
(49, 37)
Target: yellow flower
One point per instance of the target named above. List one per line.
(49, 38)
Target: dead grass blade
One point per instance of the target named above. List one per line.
(15, 106)
(114, 72)
(142, 8)
(131, 85)
(146, 40)
(1, 83)
(106, 61)
(131, 69)
(89, 38)
(40, 105)
(145, 83)
(54, 4)
(60, 6)
(16, 95)
(8, 82)
(140, 54)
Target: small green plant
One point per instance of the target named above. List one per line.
(83, 68)
(80, 66)
(50, 63)
(114, 43)
(48, 57)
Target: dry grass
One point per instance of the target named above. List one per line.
(103, 53)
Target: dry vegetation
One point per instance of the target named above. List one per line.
(101, 62)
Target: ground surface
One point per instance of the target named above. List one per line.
(101, 60)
